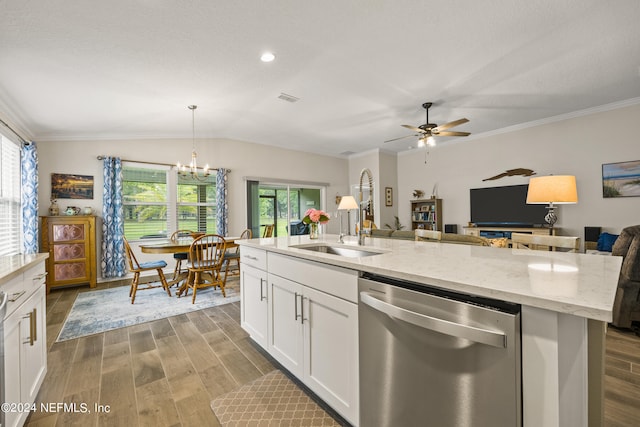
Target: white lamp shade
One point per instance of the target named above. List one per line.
(559, 189)
(347, 202)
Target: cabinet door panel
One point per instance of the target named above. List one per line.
(33, 355)
(12, 366)
(331, 351)
(285, 327)
(253, 291)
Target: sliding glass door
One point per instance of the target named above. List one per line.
(282, 205)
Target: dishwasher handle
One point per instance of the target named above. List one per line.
(484, 336)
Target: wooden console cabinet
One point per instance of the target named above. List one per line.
(71, 244)
(476, 231)
(497, 232)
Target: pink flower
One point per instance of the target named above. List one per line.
(315, 215)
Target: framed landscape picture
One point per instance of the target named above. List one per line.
(67, 186)
(621, 179)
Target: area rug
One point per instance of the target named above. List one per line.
(107, 309)
(271, 400)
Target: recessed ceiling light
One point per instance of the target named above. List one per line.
(267, 57)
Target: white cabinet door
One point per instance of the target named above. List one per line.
(12, 346)
(285, 325)
(33, 355)
(254, 294)
(331, 351)
(25, 358)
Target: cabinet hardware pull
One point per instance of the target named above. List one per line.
(302, 318)
(295, 305)
(252, 258)
(34, 333)
(31, 316)
(262, 296)
(39, 277)
(15, 297)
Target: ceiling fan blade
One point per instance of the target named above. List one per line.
(402, 137)
(413, 128)
(449, 125)
(452, 133)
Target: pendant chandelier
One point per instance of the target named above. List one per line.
(192, 169)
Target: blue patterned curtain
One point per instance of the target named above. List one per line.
(29, 188)
(222, 211)
(113, 258)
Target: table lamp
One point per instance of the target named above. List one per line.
(558, 189)
(346, 204)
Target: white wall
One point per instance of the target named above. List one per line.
(244, 159)
(577, 146)
(383, 167)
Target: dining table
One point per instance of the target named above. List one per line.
(182, 244)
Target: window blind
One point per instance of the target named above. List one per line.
(9, 197)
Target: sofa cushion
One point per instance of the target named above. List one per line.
(404, 235)
(384, 233)
(628, 246)
(465, 239)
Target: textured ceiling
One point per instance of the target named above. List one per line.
(78, 69)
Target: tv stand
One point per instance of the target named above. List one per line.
(498, 232)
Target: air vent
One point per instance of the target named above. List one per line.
(288, 98)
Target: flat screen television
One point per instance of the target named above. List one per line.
(505, 206)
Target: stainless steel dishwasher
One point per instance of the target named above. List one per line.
(430, 357)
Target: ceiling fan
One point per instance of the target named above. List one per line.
(427, 131)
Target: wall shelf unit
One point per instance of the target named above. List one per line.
(426, 214)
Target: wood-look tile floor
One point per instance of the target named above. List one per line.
(165, 373)
(162, 373)
(622, 379)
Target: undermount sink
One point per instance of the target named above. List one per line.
(337, 250)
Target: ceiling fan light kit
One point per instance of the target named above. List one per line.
(427, 131)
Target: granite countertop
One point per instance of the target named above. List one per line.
(579, 284)
(11, 266)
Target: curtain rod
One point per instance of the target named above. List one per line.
(22, 140)
(101, 157)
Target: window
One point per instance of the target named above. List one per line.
(9, 197)
(197, 204)
(282, 205)
(157, 202)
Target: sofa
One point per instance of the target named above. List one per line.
(462, 239)
(626, 307)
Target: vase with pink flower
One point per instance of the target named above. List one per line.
(315, 217)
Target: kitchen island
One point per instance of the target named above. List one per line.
(563, 296)
(23, 334)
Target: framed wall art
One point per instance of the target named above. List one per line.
(68, 186)
(621, 179)
(388, 196)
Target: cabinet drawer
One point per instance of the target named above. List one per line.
(17, 293)
(254, 257)
(35, 277)
(336, 281)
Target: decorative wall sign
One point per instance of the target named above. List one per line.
(512, 172)
(388, 196)
(67, 186)
(621, 179)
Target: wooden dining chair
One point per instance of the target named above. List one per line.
(233, 254)
(268, 230)
(180, 256)
(427, 235)
(206, 258)
(542, 242)
(138, 267)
